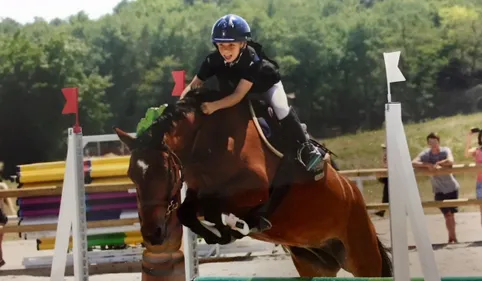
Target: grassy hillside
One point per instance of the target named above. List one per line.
(363, 150)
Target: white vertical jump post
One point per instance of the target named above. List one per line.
(403, 189)
(72, 205)
(189, 240)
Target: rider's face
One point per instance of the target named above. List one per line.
(230, 51)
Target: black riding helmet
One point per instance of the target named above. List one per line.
(230, 28)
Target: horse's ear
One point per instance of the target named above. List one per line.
(125, 138)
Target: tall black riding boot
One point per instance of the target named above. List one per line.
(308, 154)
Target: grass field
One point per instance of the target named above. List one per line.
(362, 150)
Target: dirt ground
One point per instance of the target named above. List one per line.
(462, 259)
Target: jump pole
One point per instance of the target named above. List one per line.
(72, 216)
(403, 189)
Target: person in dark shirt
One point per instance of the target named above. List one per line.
(242, 68)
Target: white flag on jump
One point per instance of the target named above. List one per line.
(391, 67)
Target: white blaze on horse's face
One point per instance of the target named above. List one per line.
(143, 165)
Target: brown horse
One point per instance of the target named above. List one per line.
(232, 164)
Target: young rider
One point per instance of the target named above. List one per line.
(241, 68)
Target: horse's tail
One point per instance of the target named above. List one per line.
(387, 266)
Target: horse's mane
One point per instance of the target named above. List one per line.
(177, 111)
(195, 97)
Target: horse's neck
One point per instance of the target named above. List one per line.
(227, 146)
(214, 135)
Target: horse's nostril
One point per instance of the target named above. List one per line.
(158, 232)
(156, 237)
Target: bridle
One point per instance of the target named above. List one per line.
(175, 172)
(175, 179)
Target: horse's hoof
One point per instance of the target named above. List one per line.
(236, 235)
(211, 228)
(263, 225)
(210, 241)
(207, 223)
(227, 240)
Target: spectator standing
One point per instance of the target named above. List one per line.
(476, 154)
(444, 187)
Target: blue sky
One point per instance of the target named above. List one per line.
(24, 11)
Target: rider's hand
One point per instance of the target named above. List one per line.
(208, 108)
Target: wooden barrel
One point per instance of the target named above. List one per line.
(163, 266)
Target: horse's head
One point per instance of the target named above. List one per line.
(156, 170)
(157, 175)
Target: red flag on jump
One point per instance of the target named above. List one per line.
(72, 105)
(71, 100)
(179, 82)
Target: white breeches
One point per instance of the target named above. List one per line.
(276, 97)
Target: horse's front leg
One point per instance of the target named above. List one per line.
(187, 214)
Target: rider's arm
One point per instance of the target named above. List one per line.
(206, 70)
(238, 94)
(195, 83)
(250, 70)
